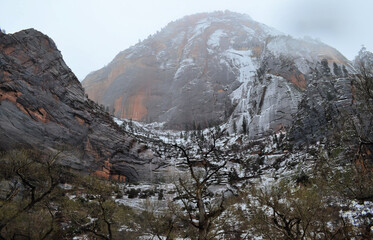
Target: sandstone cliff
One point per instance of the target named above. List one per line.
(43, 106)
(208, 69)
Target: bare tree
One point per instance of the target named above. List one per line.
(295, 213)
(204, 164)
(158, 221)
(364, 79)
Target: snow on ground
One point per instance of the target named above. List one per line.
(142, 203)
(151, 237)
(118, 121)
(275, 164)
(268, 174)
(358, 211)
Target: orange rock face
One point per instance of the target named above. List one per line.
(11, 96)
(105, 172)
(298, 79)
(38, 115)
(80, 121)
(118, 106)
(134, 107)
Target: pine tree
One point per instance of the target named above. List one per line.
(337, 70)
(345, 72)
(130, 125)
(325, 67)
(244, 125)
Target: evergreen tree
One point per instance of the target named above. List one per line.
(199, 130)
(345, 72)
(130, 125)
(325, 67)
(244, 125)
(186, 135)
(337, 70)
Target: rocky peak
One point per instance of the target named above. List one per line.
(208, 69)
(43, 106)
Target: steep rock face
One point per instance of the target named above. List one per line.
(43, 106)
(335, 110)
(202, 68)
(325, 108)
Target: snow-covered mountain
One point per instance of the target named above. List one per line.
(208, 69)
(288, 153)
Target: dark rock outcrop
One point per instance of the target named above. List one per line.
(336, 111)
(325, 108)
(43, 106)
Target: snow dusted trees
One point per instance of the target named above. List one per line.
(363, 82)
(201, 205)
(285, 211)
(39, 199)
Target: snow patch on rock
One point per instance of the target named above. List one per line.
(214, 40)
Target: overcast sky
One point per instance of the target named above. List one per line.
(89, 33)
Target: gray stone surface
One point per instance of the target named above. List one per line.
(43, 106)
